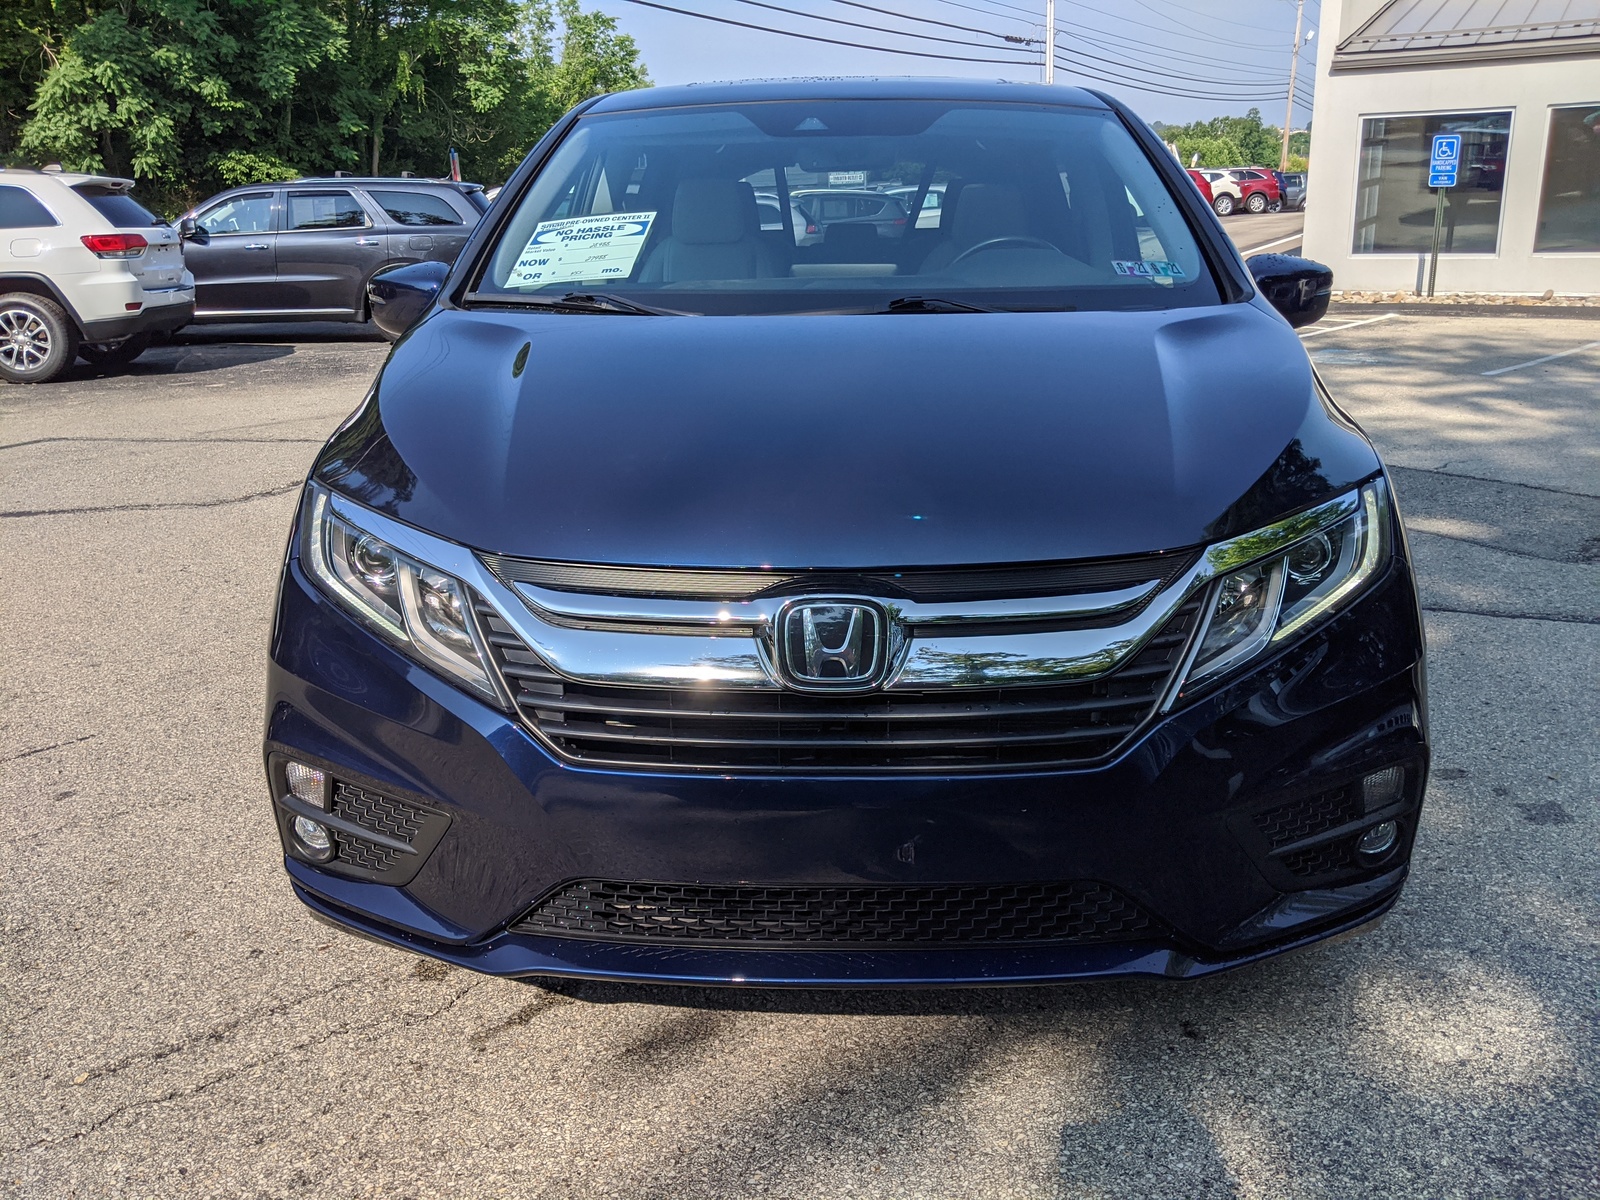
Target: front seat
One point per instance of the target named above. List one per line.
(712, 237)
(986, 211)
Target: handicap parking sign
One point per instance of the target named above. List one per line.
(1446, 160)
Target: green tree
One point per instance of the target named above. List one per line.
(1212, 151)
(1231, 141)
(192, 95)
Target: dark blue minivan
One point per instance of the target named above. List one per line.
(686, 604)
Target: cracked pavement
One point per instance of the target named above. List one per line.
(176, 1025)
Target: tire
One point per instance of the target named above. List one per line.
(1256, 202)
(1223, 206)
(114, 354)
(37, 341)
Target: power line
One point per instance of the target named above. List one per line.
(809, 37)
(1125, 46)
(1250, 80)
(908, 17)
(1160, 29)
(1094, 74)
(926, 37)
(1190, 12)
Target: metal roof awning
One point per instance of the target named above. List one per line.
(1407, 33)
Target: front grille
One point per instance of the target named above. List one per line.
(836, 916)
(1309, 817)
(963, 729)
(929, 584)
(1322, 860)
(381, 814)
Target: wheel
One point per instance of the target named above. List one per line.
(1223, 206)
(1256, 202)
(37, 342)
(114, 354)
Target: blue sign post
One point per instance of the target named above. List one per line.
(1446, 160)
(1443, 166)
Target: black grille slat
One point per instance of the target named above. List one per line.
(1022, 726)
(1306, 818)
(910, 712)
(957, 742)
(931, 584)
(830, 916)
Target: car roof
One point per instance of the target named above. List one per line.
(75, 178)
(410, 180)
(866, 88)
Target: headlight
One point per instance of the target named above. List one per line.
(1305, 569)
(423, 611)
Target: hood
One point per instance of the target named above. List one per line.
(844, 441)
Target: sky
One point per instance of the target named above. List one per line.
(1218, 56)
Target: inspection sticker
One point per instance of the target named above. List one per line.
(599, 247)
(1153, 269)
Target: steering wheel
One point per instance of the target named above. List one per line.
(1002, 241)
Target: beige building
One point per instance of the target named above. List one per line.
(1520, 81)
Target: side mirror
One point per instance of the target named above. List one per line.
(1297, 287)
(188, 231)
(398, 296)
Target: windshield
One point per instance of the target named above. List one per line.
(807, 207)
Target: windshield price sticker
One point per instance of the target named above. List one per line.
(1153, 269)
(582, 248)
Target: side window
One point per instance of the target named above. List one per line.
(250, 213)
(771, 215)
(415, 208)
(19, 210)
(324, 210)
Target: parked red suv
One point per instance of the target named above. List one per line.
(1258, 187)
(1201, 183)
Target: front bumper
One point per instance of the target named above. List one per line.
(1169, 823)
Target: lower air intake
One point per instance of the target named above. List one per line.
(825, 917)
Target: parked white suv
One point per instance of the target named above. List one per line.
(85, 269)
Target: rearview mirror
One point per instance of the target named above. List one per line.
(398, 296)
(188, 231)
(1297, 287)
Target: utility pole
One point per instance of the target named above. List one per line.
(1294, 62)
(1050, 40)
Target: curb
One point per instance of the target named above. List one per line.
(1566, 312)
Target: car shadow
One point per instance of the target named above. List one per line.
(277, 332)
(180, 360)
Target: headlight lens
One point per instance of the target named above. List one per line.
(423, 611)
(1283, 594)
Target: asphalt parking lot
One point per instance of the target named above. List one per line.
(177, 1026)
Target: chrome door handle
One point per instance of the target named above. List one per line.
(256, 246)
(366, 241)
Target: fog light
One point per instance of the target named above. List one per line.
(307, 783)
(1378, 840)
(1382, 788)
(314, 838)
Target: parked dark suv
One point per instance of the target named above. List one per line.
(306, 250)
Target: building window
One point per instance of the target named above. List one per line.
(1395, 206)
(1569, 208)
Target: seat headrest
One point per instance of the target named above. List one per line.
(858, 241)
(987, 211)
(709, 212)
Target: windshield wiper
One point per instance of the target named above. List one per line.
(584, 302)
(932, 304)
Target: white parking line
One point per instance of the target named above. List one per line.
(1534, 362)
(1294, 237)
(1349, 325)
